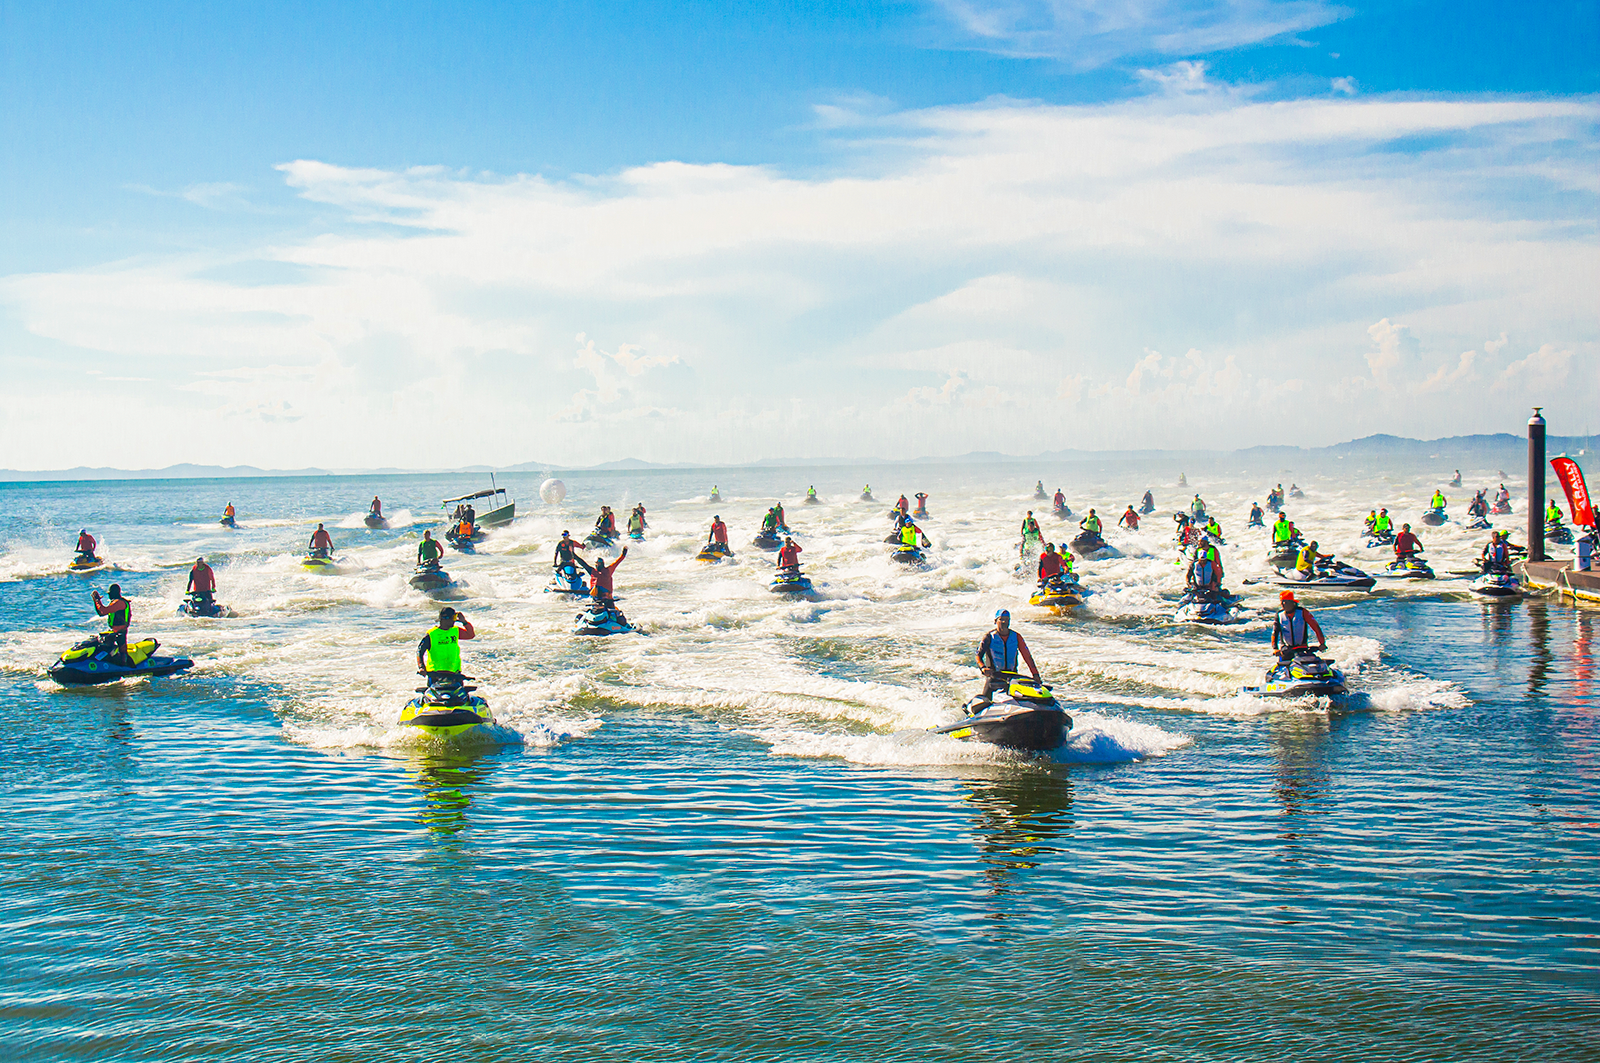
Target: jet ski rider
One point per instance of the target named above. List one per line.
(1282, 530)
(1305, 566)
(1497, 552)
(1257, 516)
(1438, 501)
(1049, 563)
(811, 493)
(998, 653)
(428, 551)
(1213, 529)
(202, 582)
(1197, 507)
(909, 533)
(1030, 528)
(228, 513)
(1091, 523)
(789, 555)
(1290, 625)
(566, 552)
(601, 583)
(1552, 514)
(86, 543)
(1129, 520)
(376, 509)
(1406, 544)
(118, 614)
(321, 542)
(1149, 501)
(439, 651)
(1060, 501)
(719, 534)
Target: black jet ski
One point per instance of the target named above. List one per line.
(374, 521)
(1557, 532)
(1412, 567)
(459, 542)
(85, 563)
(431, 579)
(1062, 512)
(1058, 592)
(866, 496)
(791, 581)
(1328, 575)
(1377, 539)
(908, 555)
(599, 618)
(1202, 605)
(768, 540)
(1435, 517)
(1026, 716)
(1087, 542)
(598, 539)
(229, 522)
(1304, 675)
(713, 551)
(447, 707)
(197, 604)
(1286, 553)
(1479, 522)
(568, 579)
(1496, 581)
(90, 661)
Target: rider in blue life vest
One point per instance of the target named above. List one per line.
(439, 650)
(1289, 627)
(998, 653)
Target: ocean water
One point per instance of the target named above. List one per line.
(733, 836)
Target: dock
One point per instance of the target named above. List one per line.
(1560, 576)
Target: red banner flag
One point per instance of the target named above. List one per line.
(1571, 478)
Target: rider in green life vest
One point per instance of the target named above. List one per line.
(811, 492)
(1091, 523)
(428, 550)
(1439, 501)
(1282, 531)
(439, 650)
(1383, 524)
(1213, 528)
(909, 533)
(1552, 515)
(1030, 528)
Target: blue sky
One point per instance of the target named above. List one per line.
(693, 231)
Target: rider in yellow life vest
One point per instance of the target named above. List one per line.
(1282, 531)
(909, 533)
(1383, 524)
(1439, 501)
(439, 650)
(1091, 523)
(1552, 515)
(1213, 529)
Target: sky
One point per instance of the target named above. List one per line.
(436, 234)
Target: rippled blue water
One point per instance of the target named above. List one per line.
(731, 837)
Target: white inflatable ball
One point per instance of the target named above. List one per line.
(552, 491)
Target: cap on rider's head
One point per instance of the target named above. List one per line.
(199, 560)
(1287, 597)
(1003, 614)
(566, 535)
(447, 615)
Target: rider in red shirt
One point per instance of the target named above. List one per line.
(719, 531)
(1049, 562)
(602, 589)
(1406, 544)
(1130, 520)
(789, 556)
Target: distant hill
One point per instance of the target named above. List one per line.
(1502, 447)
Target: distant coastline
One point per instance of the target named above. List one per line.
(1501, 447)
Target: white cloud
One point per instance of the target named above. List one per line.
(1039, 255)
(1542, 372)
(1089, 33)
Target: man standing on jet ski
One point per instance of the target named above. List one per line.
(1290, 626)
(566, 552)
(601, 590)
(1439, 501)
(439, 651)
(1197, 508)
(1257, 516)
(428, 550)
(1091, 523)
(118, 614)
(376, 509)
(86, 543)
(1282, 530)
(1129, 520)
(998, 653)
(321, 542)
(1148, 502)
(789, 555)
(1030, 529)
(1406, 544)
(719, 534)
(1049, 562)
(202, 582)
(1060, 501)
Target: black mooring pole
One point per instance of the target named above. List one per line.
(1536, 486)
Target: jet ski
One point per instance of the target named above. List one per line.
(767, 540)
(866, 496)
(1435, 517)
(1295, 492)
(321, 563)
(713, 552)
(1496, 583)
(1377, 539)
(599, 618)
(791, 581)
(1286, 553)
(908, 555)
(920, 513)
(228, 522)
(195, 604)
(459, 542)
(1086, 543)
(1501, 507)
(1331, 575)
(1305, 675)
(85, 563)
(1062, 512)
(1480, 522)
(1039, 494)
(598, 540)
(1412, 567)
(1058, 592)
(716, 496)
(1202, 605)
(568, 579)
(1557, 532)
(447, 707)
(1456, 482)
(1026, 716)
(373, 520)
(436, 583)
(90, 661)
(812, 500)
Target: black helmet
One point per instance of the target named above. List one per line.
(447, 615)
(114, 591)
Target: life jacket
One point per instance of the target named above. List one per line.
(228, 512)
(120, 617)
(1552, 514)
(908, 535)
(1213, 528)
(429, 550)
(1281, 532)
(1202, 572)
(1092, 524)
(1307, 561)
(789, 557)
(444, 649)
(1499, 553)
(1383, 524)
(1291, 631)
(1438, 501)
(1197, 507)
(1003, 651)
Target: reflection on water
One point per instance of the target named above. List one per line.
(1301, 781)
(1539, 637)
(1017, 817)
(449, 780)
